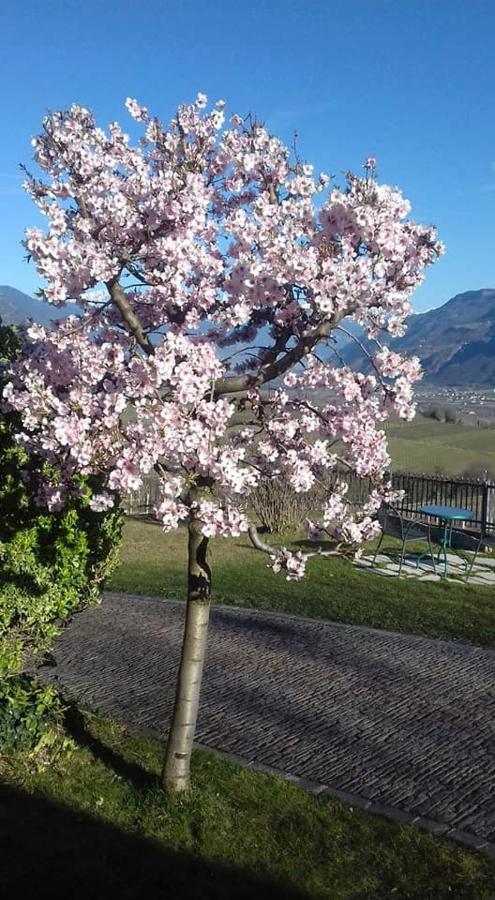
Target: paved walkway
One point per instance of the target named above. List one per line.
(402, 724)
(483, 570)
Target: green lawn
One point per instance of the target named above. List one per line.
(154, 563)
(424, 445)
(98, 825)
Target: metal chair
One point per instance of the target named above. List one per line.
(393, 524)
(487, 540)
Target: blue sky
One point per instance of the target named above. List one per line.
(409, 81)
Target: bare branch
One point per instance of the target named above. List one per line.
(259, 544)
(356, 340)
(268, 371)
(364, 349)
(132, 322)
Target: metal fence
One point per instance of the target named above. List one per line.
(478, 496)
(143, 501)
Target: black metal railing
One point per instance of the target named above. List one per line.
(478, 496)
(421, 490)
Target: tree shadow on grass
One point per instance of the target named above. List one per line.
(76, 728)
(281, 540)
(45, 847)
(315, 545)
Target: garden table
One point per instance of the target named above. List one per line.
(447, 516)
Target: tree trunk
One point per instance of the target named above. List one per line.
(176, 767)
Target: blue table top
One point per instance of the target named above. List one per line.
(448, 512)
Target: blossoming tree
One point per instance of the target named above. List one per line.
(213, 270)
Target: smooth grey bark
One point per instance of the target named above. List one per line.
(176, 767)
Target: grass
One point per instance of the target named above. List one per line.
(154, 563)
(424, 445)
(98, 825)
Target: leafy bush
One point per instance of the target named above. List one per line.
(440, 413)
(51, 565)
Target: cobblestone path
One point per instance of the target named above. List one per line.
(400, 722)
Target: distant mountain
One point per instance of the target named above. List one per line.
(455, 342)
(16, 307)
(342, 338)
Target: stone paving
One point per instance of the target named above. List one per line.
(400, 722)
(483, 571)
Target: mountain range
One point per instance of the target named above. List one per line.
(455, 341)
(16, 307)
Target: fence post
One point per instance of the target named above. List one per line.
(490, 504)
(484, 506)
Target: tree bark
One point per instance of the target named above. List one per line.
(176, 767)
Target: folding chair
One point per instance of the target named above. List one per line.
(393, 524)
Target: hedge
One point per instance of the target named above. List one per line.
(51, 566)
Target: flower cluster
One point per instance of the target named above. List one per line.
(292, 563)
(207, 268)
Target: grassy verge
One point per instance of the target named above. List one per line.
(154, 563)
(99, 826)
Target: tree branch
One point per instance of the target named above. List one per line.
(259, 544)
(132, 322)
(268, 372)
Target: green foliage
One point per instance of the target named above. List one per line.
(51, 565)
(29, 715)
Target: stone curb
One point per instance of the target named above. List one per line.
(438, 829)
(395, 814)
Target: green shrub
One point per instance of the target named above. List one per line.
(51, 565)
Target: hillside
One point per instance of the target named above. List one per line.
(16, 307)
(455, 342)
(450, 448)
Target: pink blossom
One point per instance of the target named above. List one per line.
(293, 563)
(140, 113)
(101, 502)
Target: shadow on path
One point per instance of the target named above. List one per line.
(401, 720)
